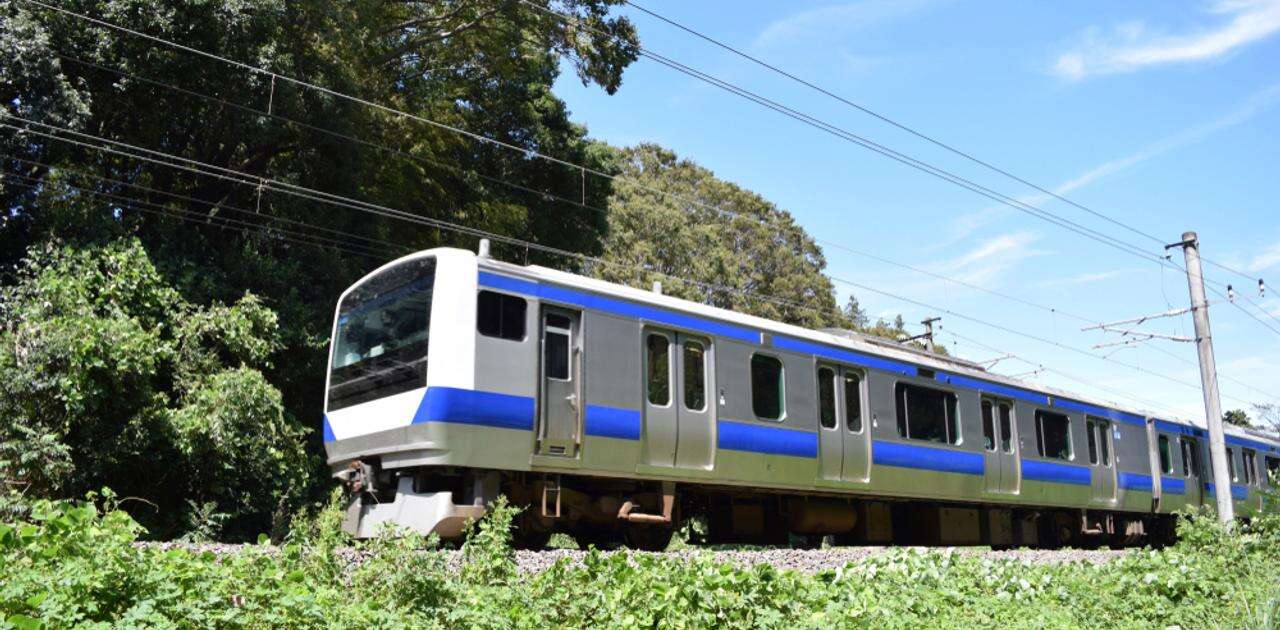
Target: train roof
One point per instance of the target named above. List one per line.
(850, 340)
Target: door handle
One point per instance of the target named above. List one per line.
(572, 399)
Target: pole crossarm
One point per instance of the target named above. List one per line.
(1140, 320)
(1144, 335)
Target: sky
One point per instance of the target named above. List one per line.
(1161, 115)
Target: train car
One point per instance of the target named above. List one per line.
(613, 414)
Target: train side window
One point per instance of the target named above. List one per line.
(1006, 428)
(1053, 435)
(767, 387)
(1166, 458)
(695, 375)
(827, 397)
(1250, 468)
(853, 401)
(1231, 465)
(1190, 458)
(927, 414)
(1090, 430)
(988, 426)
(1273, 468)
(500, 315)
(658, 364)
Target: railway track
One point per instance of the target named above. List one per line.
(803, 560)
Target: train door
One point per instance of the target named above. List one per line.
(830, 434)
(855, 437)
(1102, 468)
(560, 390)
(1000, 444)
(1192, 471)
(661, 417)
(695, 419)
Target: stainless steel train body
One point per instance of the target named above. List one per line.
(613, 412)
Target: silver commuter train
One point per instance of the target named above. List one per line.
(613, 414)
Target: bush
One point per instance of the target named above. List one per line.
(74, 564)
(109, 378)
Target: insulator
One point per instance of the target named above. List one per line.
(1231, 293)
(1262, 288)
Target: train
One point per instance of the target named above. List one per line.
(615, 414)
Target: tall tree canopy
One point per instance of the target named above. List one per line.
(670, 218)
(486, 66)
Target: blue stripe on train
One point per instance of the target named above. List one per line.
(992, 388)
(1101, 412)
(1055, 473)
(926, 458)
(1239, 493)
(1173, 485)
(612, 422)
(847, 356)
(618, 307)
(1135, 481)
(740, 436)
(328, 430)
(466, 406)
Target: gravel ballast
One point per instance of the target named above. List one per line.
(803, 560)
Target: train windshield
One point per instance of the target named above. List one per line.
(380, 343)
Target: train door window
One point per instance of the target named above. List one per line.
(1273, 468)
(1053, 435)
(927, 414)
(1090, 430)
(827, 397)
(556, 346)
(767, 387)
(988, 426)
(658, 364)
(1231, 465)
(1190, 458)
(1006, 428)
(695, 375)
(1166, 458)
(853, 401)
(1103, 440)
(1250, 469)
(500, 315)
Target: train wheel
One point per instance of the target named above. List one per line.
(648, 537)
(528, 533)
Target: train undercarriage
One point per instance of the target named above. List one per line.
(644, 515)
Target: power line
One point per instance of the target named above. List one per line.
(320, 196)
(999, 197)
(342, 201)
(943, 174)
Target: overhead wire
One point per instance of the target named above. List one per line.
(960, 181)
(478, 137)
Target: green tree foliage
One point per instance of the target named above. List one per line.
(1237, 417)
(486, 66)
(108, 377)
(674, 218)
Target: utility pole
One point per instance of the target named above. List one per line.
(927, 336)
(1208, 376)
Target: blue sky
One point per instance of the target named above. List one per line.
(1163, 115)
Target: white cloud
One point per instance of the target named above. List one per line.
(991, 258)
(1132, 46)
(1086, 278)
(832, 22)
(1262, 100)
(1269, 258)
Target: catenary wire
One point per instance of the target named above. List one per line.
(1111, 241)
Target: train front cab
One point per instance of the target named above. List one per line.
(401, 399)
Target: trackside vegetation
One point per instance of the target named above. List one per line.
(76, 563)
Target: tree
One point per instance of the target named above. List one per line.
(670, 218)
(486, 66)
(1237, 417)
(108, 377)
